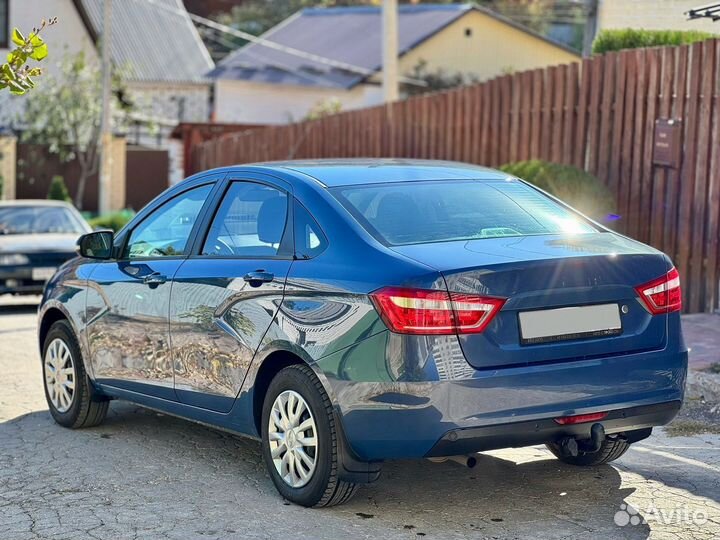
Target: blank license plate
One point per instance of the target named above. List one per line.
(561, 324)
(43, 274)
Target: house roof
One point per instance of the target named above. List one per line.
(155, 41)
(351, 35)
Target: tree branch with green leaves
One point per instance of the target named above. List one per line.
(16, 74)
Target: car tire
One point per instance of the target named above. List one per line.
(321, 486)
(77, 407)
(610, 450)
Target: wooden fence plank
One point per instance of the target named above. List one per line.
(651, 99)
(713, 202)
(606, 115)
(616, 134)
(569, 114)
(659, 211)
(595, 82)
(632, 223)
(535, 116)
(681, 55)
(689, 167)
(556, 128)
(580, 153)
(546, 117)
(626, 127)
(697, 252)
(515, 85)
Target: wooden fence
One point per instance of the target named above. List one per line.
(599, 115)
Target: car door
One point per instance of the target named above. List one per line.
(129, 298)
(225, 296)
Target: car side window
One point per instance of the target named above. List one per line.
(310, 241)
(250, 222)
(166, 231)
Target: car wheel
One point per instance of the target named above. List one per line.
(610, 450)
(67, 387)
(300, 441)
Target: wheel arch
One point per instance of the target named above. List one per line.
(48, 318)
(273, 360)
(271, 365)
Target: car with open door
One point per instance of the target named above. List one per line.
(351, 312)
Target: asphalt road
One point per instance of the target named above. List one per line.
(146, 475)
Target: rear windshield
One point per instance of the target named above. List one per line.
(443, 211)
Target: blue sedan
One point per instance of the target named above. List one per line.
(350, 312)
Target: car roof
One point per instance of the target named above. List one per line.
(345, 172)
(35, 202)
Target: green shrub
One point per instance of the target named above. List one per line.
(579, 189)
(58, 191)
(113, 220)
(631, 38)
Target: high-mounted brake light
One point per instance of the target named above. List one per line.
(420, 311)
(662, 295)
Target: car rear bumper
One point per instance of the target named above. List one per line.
(464, 441)
(507, 407)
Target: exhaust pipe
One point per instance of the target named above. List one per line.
(468, 461)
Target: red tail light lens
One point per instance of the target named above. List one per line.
(662, 295)
(420, 311)
(580, 418)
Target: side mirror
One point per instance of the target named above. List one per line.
(96, 245)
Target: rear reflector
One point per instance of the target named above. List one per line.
(662, 295)
(420, 311)
(580, 418)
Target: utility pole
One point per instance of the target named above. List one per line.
(105, 176)
(390, 50)
(590, 27)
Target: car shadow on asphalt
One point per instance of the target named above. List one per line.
(516, 493)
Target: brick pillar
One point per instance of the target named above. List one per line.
(8, 163)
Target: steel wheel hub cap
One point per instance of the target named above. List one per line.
(59, 375)
(292, 436)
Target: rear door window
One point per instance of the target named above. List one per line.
(250, 222)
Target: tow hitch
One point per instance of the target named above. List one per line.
(570, 446)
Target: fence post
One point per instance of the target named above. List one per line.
(8, 166)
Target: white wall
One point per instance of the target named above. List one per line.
(255, 103)
(653, 15)
(68, 37)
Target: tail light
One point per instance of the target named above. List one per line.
(420, 311)
(662, 295)
(580, 418)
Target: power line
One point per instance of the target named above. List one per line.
(277, 46)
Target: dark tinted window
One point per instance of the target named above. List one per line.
(39, 219)
(4, 24)
(249, 223)
(309, 238)
(419, 212)
(166, 231)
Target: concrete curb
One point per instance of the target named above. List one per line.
(704, 384)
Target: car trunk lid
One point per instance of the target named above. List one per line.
(598, 271)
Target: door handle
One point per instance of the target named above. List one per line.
(257, 278)
(156, 278)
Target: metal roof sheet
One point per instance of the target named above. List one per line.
(155, 41)
(344, 34)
